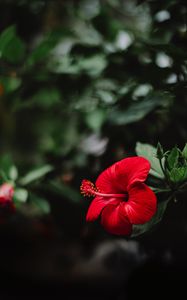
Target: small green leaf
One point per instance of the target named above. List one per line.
(13, 173)
(138, 110)
(46, 98)
(20, 195)
(178, 174)
(93, 65)
(10, 83)
(106, 96)
(135, 113)
(8, 169)
(184, 151)
(12, 47)
(172, 158)
(43, 49)
(35, 206)
(35, 174)
(95, 119)
(149, 152)
(141, 229)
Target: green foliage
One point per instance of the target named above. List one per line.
(170, 165)
(12, 47)
(42, 50)
(184, 151)
(95, 119)
(20, 195)
(176, 165)
(178, 174)
(114, 70)
(35, 174)
(8, 170)
(172, 158)
(137, 111)
(149, 152)
(10, 83)
(45, 98)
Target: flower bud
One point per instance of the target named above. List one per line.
(159, 151)
(6, 192)
(6, 204)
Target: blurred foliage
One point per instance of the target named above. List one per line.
(81, 82)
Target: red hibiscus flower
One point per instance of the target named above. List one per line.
(121, 196)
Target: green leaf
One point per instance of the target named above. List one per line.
(127, 87)
(184, 151)
(134, 113)
(89, 9)
(106, 96)
(149, 152)
(43, 49)
(35, 206)
(141, 229)
(93, 65)
(8, 169)
(95, 119)
(46, 98)
(35, 174)
(106, 84)
(137, 111)
(172, 158)
(178, 174)
(64, 66)
(13, 173)
(12, 47)
(10, 83)
(20, 195)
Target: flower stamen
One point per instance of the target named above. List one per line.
(89, 189)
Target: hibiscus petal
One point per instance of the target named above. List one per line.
(97, 206)
(121, 175)
(114, 221)
(141, 205)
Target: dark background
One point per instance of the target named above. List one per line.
(81, 82)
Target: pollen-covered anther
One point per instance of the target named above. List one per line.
(88, 188)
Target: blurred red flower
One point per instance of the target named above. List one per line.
(6, 196)
(121, 196)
